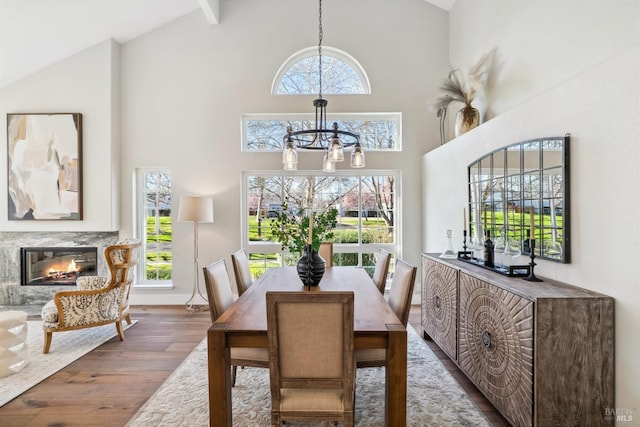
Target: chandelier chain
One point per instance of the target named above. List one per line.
(320, 34)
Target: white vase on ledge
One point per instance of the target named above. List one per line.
(466, 119)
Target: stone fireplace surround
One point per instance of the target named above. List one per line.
(11, 293)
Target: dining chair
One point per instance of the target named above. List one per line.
(402, 284)
(382, 270)
(326, 252)
(220, 298)
(311, 357)
(241, 270)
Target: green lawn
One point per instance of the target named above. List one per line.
(158, 262)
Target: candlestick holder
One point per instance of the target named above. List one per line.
(532, 276)
(464, 254)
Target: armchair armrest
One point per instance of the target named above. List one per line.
(81, 308)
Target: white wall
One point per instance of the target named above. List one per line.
(597, 100)
(84, 83)
(539, 44)
(186, 85)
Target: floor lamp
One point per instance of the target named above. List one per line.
(195, 209)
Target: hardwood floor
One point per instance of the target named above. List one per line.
(107, 386)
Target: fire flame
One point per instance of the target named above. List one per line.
(71, 268)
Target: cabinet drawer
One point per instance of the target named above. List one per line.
(495, 346)
(440, 304)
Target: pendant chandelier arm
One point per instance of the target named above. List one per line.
(309, 144)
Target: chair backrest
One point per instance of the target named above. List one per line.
(326, 252)
(402, 283)
(382, 269)
(241, 270)
(311, 342)
(218, 287)
(121, 260)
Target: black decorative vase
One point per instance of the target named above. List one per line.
(310, 267)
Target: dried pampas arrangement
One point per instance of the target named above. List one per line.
(462, 87)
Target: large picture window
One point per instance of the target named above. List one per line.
(367, 206)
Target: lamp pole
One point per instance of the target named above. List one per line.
(196, 276)
(195, 209)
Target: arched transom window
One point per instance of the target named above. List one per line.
(341, 74)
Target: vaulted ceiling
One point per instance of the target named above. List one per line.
(38, 33)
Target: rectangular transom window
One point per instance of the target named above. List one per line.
(378, 131)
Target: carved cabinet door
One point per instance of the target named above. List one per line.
(495, 346)
(440, 304)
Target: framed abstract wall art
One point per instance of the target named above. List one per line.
(44, 166)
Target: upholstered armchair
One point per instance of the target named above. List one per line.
(98, 300)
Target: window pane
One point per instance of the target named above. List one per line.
(337, 77)
(378, 209)
(346, 259)
(156, 226)
(377, 131)
(260, 261)
(263, 201)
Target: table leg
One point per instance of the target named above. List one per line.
(219, 377)
(396, 377)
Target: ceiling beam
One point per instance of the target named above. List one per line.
(211, 10)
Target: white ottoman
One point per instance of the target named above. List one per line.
(13, 346)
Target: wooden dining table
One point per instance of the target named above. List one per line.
(244, 324)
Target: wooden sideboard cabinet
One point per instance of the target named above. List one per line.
(541, 352)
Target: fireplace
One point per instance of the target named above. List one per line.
(56, 265)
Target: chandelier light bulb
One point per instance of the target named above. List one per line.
(327, 164)
(336, 152)
(357, 157)
(290, 166)
(289, 155)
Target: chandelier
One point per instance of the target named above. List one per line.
(321, 137)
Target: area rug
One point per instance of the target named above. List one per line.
(434, 398)
(65, 348)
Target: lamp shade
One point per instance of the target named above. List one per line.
(195, 209)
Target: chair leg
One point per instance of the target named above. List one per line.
(275, 419)
(128, 319)
(47, 341)
(119, 329)
(234, 371)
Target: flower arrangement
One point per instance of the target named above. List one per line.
(463, 87)
(291, 228)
